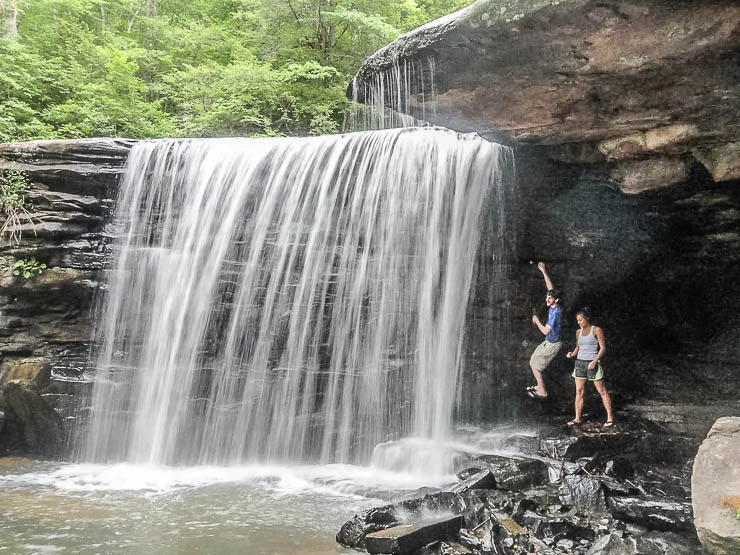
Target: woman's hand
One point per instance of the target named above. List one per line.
(592, 365)
(569, 354)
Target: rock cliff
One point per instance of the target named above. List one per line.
(46, 319)
(623, 118)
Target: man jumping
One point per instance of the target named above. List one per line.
(550, 347)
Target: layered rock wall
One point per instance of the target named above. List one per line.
(45, 319)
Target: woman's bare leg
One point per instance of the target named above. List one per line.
(599, 385)
(580, 390)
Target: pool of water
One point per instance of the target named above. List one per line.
(117, 509)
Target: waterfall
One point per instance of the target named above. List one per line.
(386, 101)
(288, 300)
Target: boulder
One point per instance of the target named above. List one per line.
(715, 488)
(409, 537)
(546, 527)
(614, 543)
(479, 480)
(583, 492)
(652, 512)
(515, 473)
(353, 532)
(622, 115)
(668, 543)
(31, 425)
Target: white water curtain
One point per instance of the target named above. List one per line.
(288, 300)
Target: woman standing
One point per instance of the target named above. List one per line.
(590, 348)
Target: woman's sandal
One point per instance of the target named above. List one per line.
(608, 424)
(574, 422)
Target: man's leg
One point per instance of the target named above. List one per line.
(540, 359)
(540, 387)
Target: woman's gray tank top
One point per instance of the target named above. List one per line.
(588, 345)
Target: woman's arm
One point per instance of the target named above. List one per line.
(599, 334)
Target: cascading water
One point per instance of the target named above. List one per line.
(391, 94)
(288, 300)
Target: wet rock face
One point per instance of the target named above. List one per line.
(73, 185)
(622, 116)
(582, 509)
(45, 320)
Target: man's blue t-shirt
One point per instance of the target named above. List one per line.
(554, 316)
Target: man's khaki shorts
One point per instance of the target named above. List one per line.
(543, 355)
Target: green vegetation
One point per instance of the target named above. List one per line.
(13, 186)
(199, 68)
(28, 268)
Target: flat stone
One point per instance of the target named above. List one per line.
(409, 537)
(652, 512)
(480, 480)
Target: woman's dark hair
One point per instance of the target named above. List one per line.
(585, 312)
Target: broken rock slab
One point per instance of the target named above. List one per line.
(653, 512)
(409, 537)
(514, 473)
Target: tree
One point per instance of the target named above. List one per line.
(8, 19)
(153, 68)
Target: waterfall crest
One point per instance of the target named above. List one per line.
(288, 300)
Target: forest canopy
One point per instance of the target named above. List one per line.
(189, 68)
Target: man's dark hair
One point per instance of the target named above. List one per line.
(555, 294)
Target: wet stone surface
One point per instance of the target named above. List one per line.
(608, 499)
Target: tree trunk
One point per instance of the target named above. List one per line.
(8, 19)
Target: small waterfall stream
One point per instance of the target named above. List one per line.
(289, 300)
(393, 94)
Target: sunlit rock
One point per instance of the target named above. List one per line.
(722, 162)
(715, 488)
(645, 175)
(659, 139)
